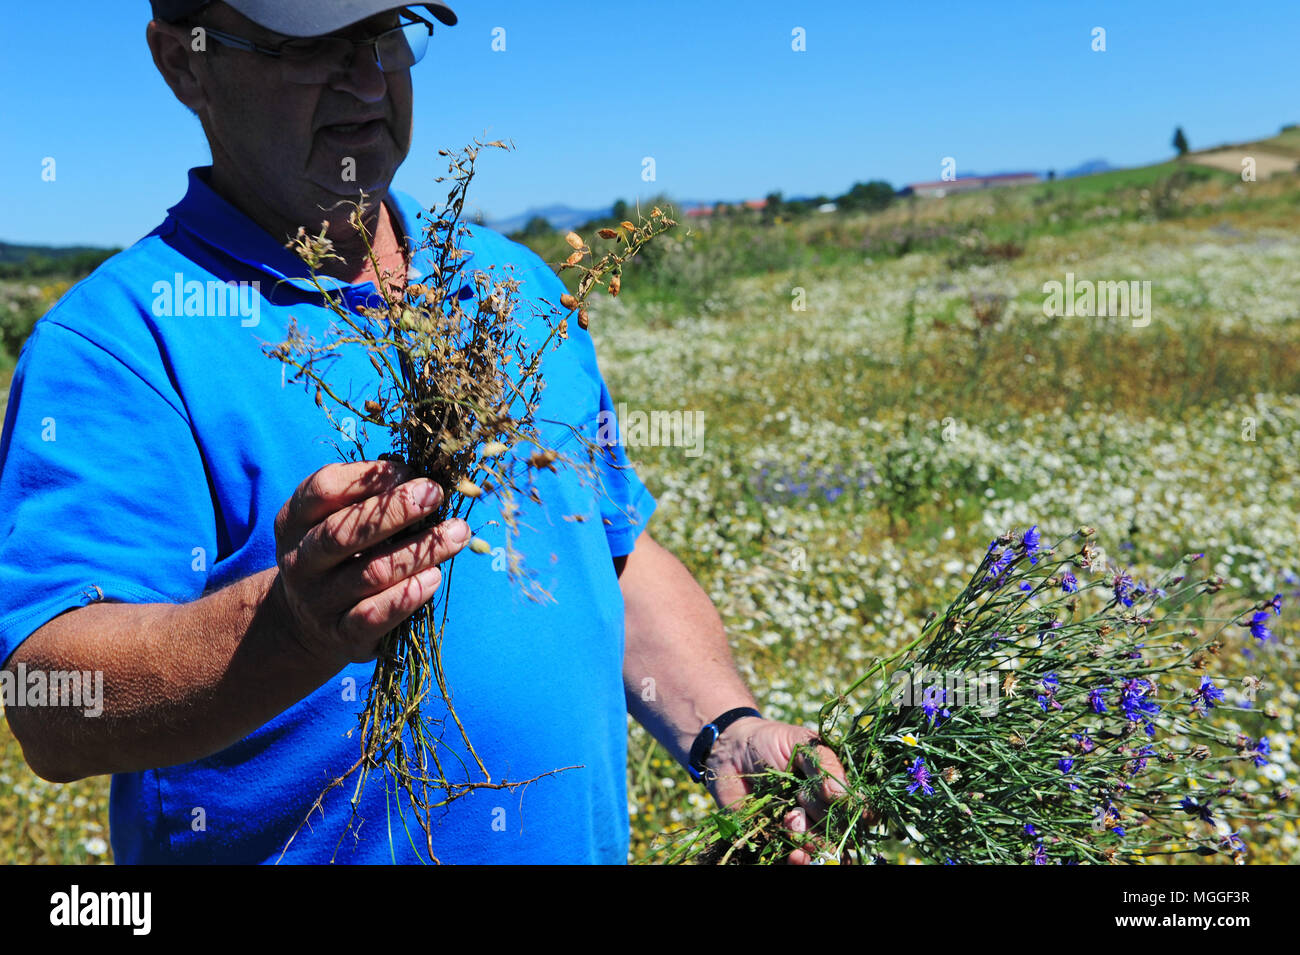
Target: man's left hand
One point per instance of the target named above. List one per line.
(752, 745)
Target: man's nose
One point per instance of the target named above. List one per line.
(362, 77)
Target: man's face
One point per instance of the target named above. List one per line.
(278, 143)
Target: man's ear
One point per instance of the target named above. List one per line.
(172, 51)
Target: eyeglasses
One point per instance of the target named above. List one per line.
(314, 60)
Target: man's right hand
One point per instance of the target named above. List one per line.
(351, 566)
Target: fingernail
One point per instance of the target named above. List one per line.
(431, 495)
(458, 531)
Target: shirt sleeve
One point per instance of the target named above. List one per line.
(626, 504)
(103, 491)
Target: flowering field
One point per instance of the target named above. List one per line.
(883, 394)
(860, 455)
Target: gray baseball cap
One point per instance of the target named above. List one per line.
(301, 17)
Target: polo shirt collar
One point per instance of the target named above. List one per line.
(213, 220)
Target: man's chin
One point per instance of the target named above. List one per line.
(345, 174)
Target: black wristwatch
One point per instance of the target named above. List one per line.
(703, 744)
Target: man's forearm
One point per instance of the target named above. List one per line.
(180, 681)
(675, 640)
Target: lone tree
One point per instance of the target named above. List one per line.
(537, 226)
(620, 210)
(868, 196)
(1180, 142)
(775, 205)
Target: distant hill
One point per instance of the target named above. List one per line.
(33, 261)
(12, 253)
(559, 216)
(1088, 167)
(563, 217)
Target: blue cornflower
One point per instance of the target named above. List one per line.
(1030, 830)
(1040, 854)
(1136, 706)
(1096, 699)
(1200, 810)
(1257, 627)
(1139, 761)
(1122, 584)
(1086, 745)
(1276, 604)
(1262, 749)
(997, 570)
(1026, 586)
(1232, 842)
(1031, 541)
(1069, 583)
(1206, 695)
(1065, 764)
(921, 775)
(1050, 684)
(934, 696)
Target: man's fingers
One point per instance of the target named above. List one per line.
(366, 524)
(832, 787)
(796, 821)
(378, 569)
(375, 616)
(333, 487)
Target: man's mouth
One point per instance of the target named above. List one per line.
(355, 133)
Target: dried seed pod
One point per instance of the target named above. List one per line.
(575, 240)
(583, 321)
(468, 488)
(629, 226)
(543, 459)
(493, 449)
(374, 408)
(615, 283)
(479, 546)
(607, 234)
(573, 259)
(568, 301)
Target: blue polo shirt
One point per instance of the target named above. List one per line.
(148, 445)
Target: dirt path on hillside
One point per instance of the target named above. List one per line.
(1229, 160)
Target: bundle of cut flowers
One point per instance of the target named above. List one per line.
(1058, 711)
(459, 373)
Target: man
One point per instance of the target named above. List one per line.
(171, 516)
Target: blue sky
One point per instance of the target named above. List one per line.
(713, 91)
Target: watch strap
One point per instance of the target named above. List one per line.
(702, 748)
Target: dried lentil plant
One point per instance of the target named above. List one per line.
(460, 387)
